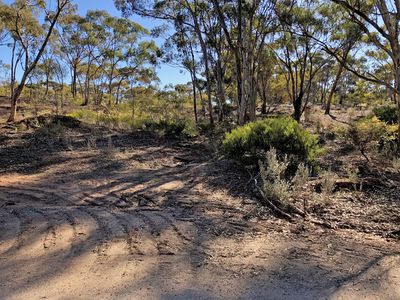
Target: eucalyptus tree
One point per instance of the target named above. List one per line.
(181, 49)
(4, 34)
(93, 36)
(219, 57)
(20, 20)
(71, 30)
(29, 35)
(299, 52)
(247, 26)
(379, 20)
(178, 12)
(47, 67)
(139, 66)
(342, 39)
(121, 45)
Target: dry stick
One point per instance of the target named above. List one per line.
(273, 206)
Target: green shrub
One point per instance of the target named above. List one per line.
(206, 127)
(110, 119)
(386, 114)
(85, 115)
(171, 128)
(250, 142)
(371, 133)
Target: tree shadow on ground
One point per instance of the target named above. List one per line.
(160, 231)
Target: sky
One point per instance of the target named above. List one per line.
(166, 73)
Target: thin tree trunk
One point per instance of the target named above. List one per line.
(221, 92)
(207, 70)
(194, 83)
(194, 95)
(18, 91)
(398, 104)
(74, 80)
(332, 91)
(12, 85)
(297, 107)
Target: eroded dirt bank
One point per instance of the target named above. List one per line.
(142, 218)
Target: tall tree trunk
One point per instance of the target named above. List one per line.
(221, 92)
(297, 107)
(207, 68)
(12, 83)
(74, 79)
(192, 71)
(398, 104)
(333, 88)
(194, 95)
(32, 66)
(239, 69)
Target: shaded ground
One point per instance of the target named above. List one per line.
(87, 213)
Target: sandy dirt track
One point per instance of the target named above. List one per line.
(142, 221)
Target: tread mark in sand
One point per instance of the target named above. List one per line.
(130, 240)
(26, 220)
(6, 214)
(156, 229)
(38, 193)
(103, 233)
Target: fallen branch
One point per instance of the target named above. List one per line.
(271, 205)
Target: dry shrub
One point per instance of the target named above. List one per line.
(275, 185)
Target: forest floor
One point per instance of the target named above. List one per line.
(88, 213)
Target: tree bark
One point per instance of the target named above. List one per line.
(20, 87)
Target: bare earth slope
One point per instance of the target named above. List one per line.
(140, 218)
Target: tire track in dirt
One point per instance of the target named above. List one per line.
(60, 231)
(129, 231)
(101, 234)
(197, 253)
(25, 220)
(29, 229)
(110, 233)
(41, 194)
(159, 227)
(140, 233)
(49, 240)
(11, 226)
(176, 229)
(98, 195)
(85, 228)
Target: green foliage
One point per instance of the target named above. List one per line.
(206, 127)
(172, 128)
(369, 133)
(386, 114)
(85, 115)
(388, 142)
(250, 142)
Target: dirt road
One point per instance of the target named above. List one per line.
(148, 220)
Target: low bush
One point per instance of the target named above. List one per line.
(386, 114)
(85, 115)
(278, 190)
(371, 133)
(250, 142)
(171, 128)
